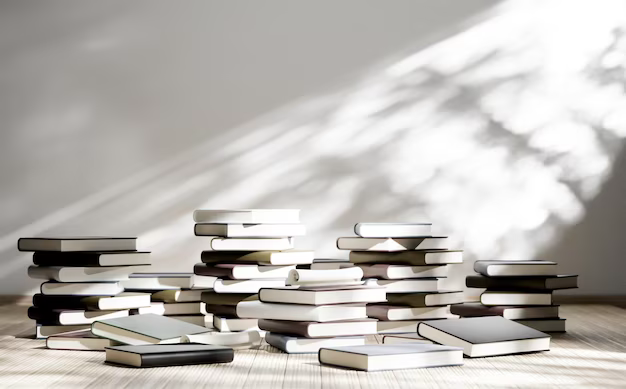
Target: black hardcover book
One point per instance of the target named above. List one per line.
(523, 283)
(168, 354)
(91, 259)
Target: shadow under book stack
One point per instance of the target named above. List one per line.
(83, 278)
(521, 291)
(408, 262)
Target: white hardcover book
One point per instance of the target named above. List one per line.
(390, 312)
(298, 345)
(44, 331)
(409, 285)
(83, 340)
(154, 308)
(235, 340)
(126, 300)
(347, 276)
(392, 230)
(247, 216)
(82, 288)
(167, 281)
(192, 308)
(67, 244)
(323, 296)
(251, 244)
(323, 313)
(397, 272)
(389, 244)
(250, 230)
(199, 320)
(235, 324)
(515, 298)
(81, 274)
(245, 286)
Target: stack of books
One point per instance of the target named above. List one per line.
(518, 290)
(249, 249)
(409, 262)
(319, 308)
(177, 295)
(82, 283)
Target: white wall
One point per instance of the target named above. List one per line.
(123, 117)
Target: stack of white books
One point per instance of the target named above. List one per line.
(409, 263)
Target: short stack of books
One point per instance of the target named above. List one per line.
(406, 260)
(250, 249)
(518, 290)
(82, 283)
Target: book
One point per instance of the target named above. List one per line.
(234, 324)
(205, 320)
(43, 331)
(168, 355)
(73, 317)
(323, 296)
(126, 300)
(167, 281)
(405, 338)
(399, 312)
(523, 283)
(212, 298)
(190, 308)
(246, 286)
(297, 345)
(92, 259)
(391, 357)
(411, 258)
(178, 296)
(346, 276)
(323, 313)
(222, 310)
(277, 258)
(83, 340)
(426, 299)
(251, 244)
(397, 326)
(392, 244)
(544, 325)
(508, 312)
(308, 329)
(80, 274)
(247, 216)
(69, 244)
(408, 285)
(82, 288)
(489, 297)
(156, 308)
(243, 271)
(330, 264)
(250, 230)
(398, 272)
(485, 336)
(235, 340)
(515, 268)
(392, 230)
(145, 329)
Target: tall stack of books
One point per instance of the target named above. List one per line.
(409, 262)
(518, 290)
(82, 283)
(249, 249)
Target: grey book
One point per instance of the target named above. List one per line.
(72, 243)
(515, 268)
(168, 355)
(523, 283)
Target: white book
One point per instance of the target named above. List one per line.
(155, 308)
(199, 320)
(81, 274)
(405, 338)
(320, 330)
(83, 340)
(397, 326)
(93, 259)
(298, 345)
(275, 258)
(246, 286)
(124, 300)
(67, 244)
(330, 264)
(178, 296)
(44, 331)
(515, 298)
(397, 272)
(407, 257)
(392, 230)
(323, 313)
(72, 317)
(390, 245)
(235, 340)
(347, 276)
(323, 296)
(243, 271)
(251, 244)
(250, 230)
(408, 286)
(515, 268)
(82, 288)
(391, 312)
(247, 216)
(192, 308)
(167, 281)
(235, 324)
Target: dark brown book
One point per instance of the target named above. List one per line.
(309, 329)
(232, 299)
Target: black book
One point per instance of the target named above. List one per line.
(91, 259)
(147, 328)
(75, 243)
(154, 355)
(485, 336)
(523, 283)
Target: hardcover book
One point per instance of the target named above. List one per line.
(247, 216)
(250, 230)
(234, 324)
(296, 312)
(489, 297)
(81, 288)
(235, 340)
(405, 338)
(392, 230)
(71, 317)
(85, 243)
(398, 272)
(515, 268)
(251, 244)
(508, 312)
(126, 300)
(232, 299)
(409, 285)
(92, 259)
(276, 258)
(312, 278)
(409, 257)
(309, 329)
(323, 295)
(543, 283)
(243, 271)
(389, 244)
(297, 345)
(399, 312)
(81, 274)
(167, 281)
(246, 286)
(426, 299)
(168, 355)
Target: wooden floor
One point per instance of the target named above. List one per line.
(591, 354)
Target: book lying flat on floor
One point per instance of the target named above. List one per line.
(485, 336)
(43, 331)
(83, 340)
(247, 216)
(397, 326)
(277, 258)
(426, 299)
(489, 297)
(515, 268)
(168, 355)
(405, 338)
(408, 286)
(234, 324)
(163, 281)
(410, 257)
(81, 274)
(246, 286)
(400, 312)
(523, 283)
(212, 298)
(251, 244)
(235, 340)
(86, 243)
(250, 230)
(145, 329)
(242, 271)
(309, 329)
(74, 317)
(82, 288)
(296, 312)
(392, 357)
(126, 300)
(398, 272)
(323, 296)
(92, 259)
(178, 296)
(392, 230)
(508, 312)
(544, 325)
(197, 319)
(312, 278)
(297, 345)
(389, 244)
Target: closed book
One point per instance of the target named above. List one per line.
(411, 258)
(330, 264)
(323, 295)
(523, 283)
(392, 230)
(92, 259)
(234, 324)
(246, 286)
(235, 340)
(426, 299)
(251, 244)
(277, 258)
(42, 331)
(399, 312)
(221, 310)
(405, 338)
(212, 298)
(247, 216)
(189, 308)
(346, 276)
(392, 244)
(82, 288)
(71, 317)
(508, 312)
(489, 297)
(70, 244)
(485, 336)
(178, 296)
(167, 281)
(239, 230)
(398, 272)
(168, 355)
(204, 320)
(299, 345)
(544, 325)
(310, 329)
(515, 268)
(409, 285)
(126, 300)
(242, 271)
(391, 357)
(397, 326)
(295, 312)
(156, 308)
(145, 329)
(80, 274)
(83, 340)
